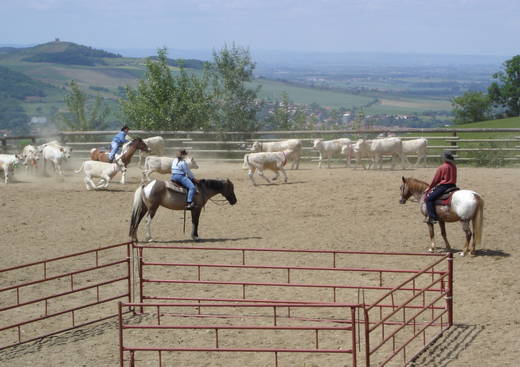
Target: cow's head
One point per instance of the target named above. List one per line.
(256, 147)
(316, 144)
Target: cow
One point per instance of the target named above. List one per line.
(418, 147)
(30, 157)
(56, 154)
(274, 161)
(155, 145)
(104, 171)
(163, 165)
(293, 147)
(328, 148)
(7, 164)
(375, 149)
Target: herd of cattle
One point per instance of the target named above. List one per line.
(264, 156)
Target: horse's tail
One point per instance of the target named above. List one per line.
(478, 221)
(139, 209)
(80, 168)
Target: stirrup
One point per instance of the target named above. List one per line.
(190, 206)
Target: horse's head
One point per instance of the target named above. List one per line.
(228, 191)
(140, 144)
(405, 191)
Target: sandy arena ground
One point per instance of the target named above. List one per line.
(338, 208)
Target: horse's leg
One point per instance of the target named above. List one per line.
(467, 231)
(432, 235)
(195, 215)
(123, 175)
(443, 233)
(149, 217)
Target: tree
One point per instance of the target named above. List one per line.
(472, 106)
(81, 116)
(235, 102)
(282, 115)
(163, 101)
(506, 92)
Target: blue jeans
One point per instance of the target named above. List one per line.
(432, 196)
(187, 183)
(115, 148)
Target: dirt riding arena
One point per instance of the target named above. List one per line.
(338, 208)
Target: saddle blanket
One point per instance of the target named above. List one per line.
(445, 198)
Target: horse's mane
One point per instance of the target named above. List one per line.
(416, 185)
(213, 184)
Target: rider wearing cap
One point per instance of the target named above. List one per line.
(182, 175)
(444, 179)
(117, 142)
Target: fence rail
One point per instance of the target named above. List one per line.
(230, 146)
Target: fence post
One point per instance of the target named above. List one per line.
(4, 145)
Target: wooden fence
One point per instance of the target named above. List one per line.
(480, 146)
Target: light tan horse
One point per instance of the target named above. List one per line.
(137, 143)
(465, 206)
(150, 196)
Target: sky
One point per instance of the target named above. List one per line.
(459, 27)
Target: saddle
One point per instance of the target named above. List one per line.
(445, 198)
(170, 185)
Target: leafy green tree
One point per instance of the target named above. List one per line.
(81, 115)
(164, 101)
(506, 92)
(282, 114)
(235, 102)
(472, 106)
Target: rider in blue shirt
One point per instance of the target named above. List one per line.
(117, 142)
(182, 175)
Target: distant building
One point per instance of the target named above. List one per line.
(38, 120)
(347, 116)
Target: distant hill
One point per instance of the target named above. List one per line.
(66, 53)
(512, 122)
(19, 86)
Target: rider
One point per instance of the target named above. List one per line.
(444, 179)
(182, 175)
(117, 142)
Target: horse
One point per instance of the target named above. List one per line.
(465, 206)
(126, 156)
(148, 197)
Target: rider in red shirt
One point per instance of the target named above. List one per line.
(444, 179)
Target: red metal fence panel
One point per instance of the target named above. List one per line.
(54, 295)
(404, 301)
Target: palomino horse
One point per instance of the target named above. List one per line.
(148, 198)
(465, 206)
(125, 157)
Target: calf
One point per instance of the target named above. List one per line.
(163, 165)
(328, 148)
(293, 148)
(56, 154)
(418, 147)
(104, 171)
(155, 145)
(274, 161)
(30, 157)
(7, 163)
(375, 149)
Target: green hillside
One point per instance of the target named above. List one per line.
(512, 122)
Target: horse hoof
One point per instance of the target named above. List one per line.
(149, 240)
(194, 238)
(461, 254)
(430, 250)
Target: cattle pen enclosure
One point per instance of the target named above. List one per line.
(484, 146)
(321, 304)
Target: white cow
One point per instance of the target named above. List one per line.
(274, 161)
(328, 148)
(375, 149)
(154, 143)
(30, 157)
(418, 147)
(104, 171)
(7, 163)
(293, 147)
(163, 165)
(56, 154)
